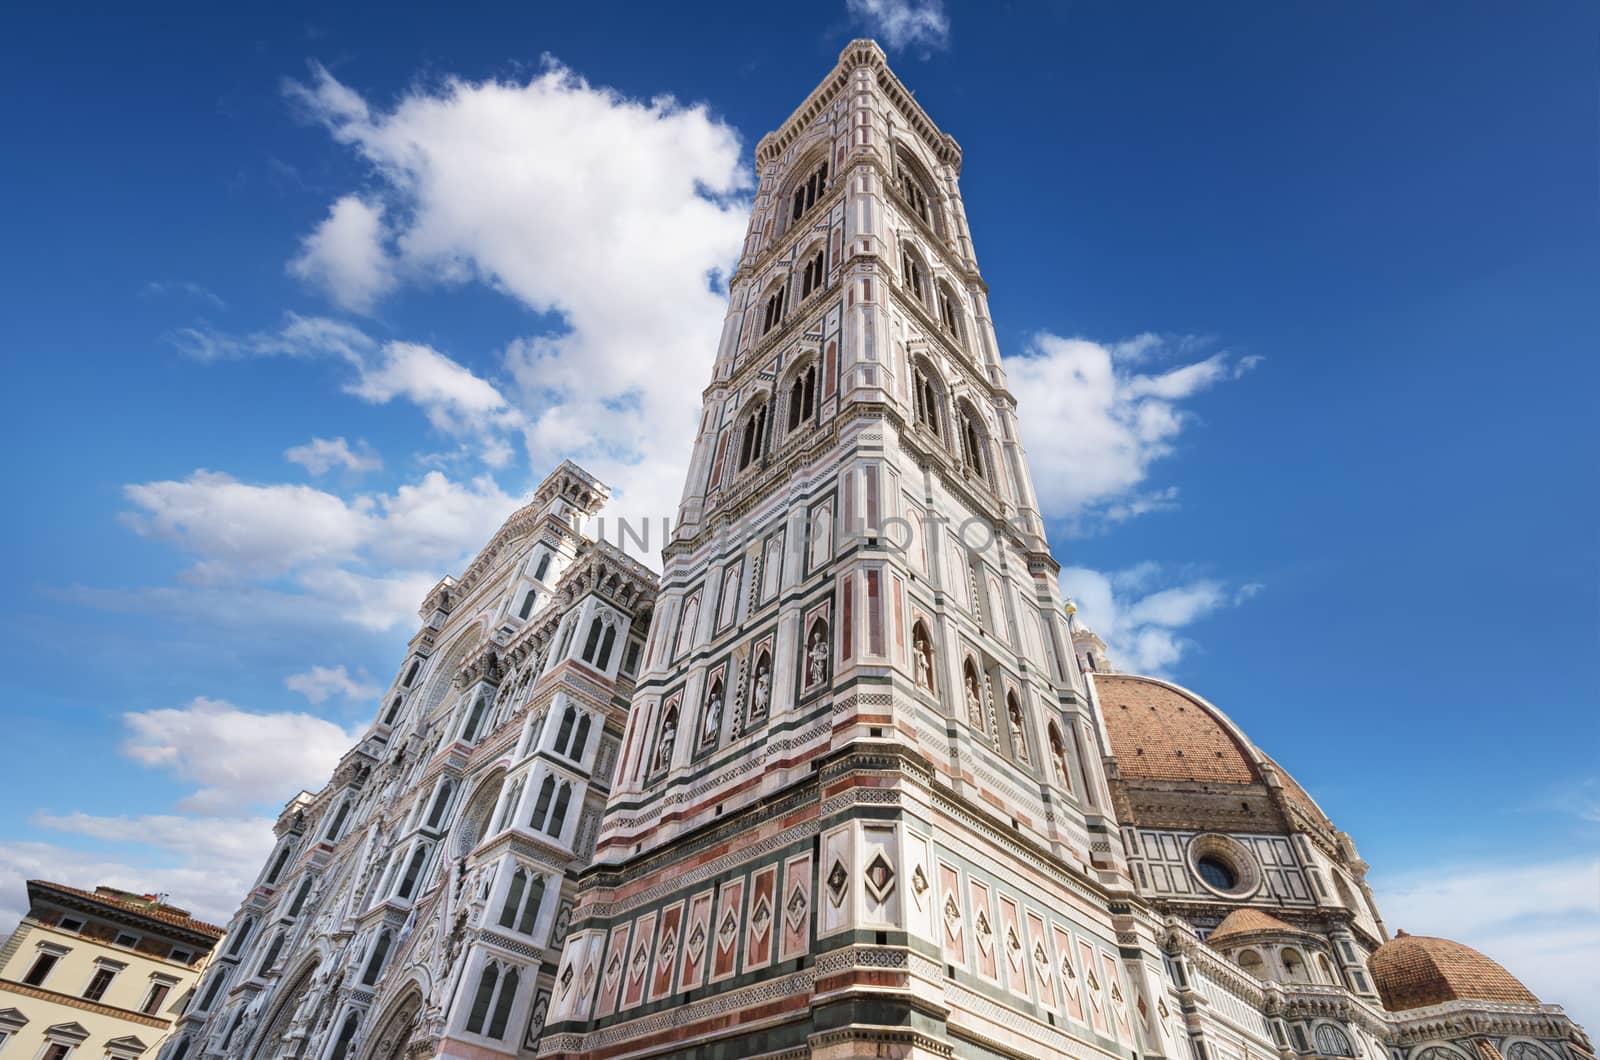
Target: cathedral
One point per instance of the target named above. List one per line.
(848, 778)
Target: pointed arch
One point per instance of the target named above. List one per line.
(541, 805)
(975, 455)
(914, 274)
(806, 186)
(972, 687)
(666, 738)
(502, 1005)
(922, 657)
(951, 316)
(558, 815)
(395, 1025)
(1019, 731)
(377, 958)
(711, 716)
(1058, 757)
(569, 718)
(915, 188)
(483, 997)
(753, 433)
(927, 395)
(800, 390)
(478, 808)
(581, 739)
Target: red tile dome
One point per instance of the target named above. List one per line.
(1412, 971)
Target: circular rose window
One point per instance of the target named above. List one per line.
(1224, 866)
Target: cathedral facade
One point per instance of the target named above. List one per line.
(849, 778)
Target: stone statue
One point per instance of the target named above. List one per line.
(817, 655)
(1019, 745)
(713, 719)
(669, 736)
(974, 701)
(923, 651)
(761, 695)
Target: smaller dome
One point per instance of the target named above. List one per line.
(1249, 922)
(1412, 971)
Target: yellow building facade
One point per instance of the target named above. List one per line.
(97, 975)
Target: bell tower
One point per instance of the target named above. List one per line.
(860, 797)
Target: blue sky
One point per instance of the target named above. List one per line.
(1302, 296)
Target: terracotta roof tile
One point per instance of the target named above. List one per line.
(1412, 971)
(1158, 733)
(164, 914)
(1247, 922)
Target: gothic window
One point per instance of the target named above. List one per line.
(569, 718)
(440, 801)
(469, 729)
(337, 823)
(527, 604)
(558, 815)
(484, 998)
(912, 275)
(541, 805)
(730, 596)
(608, 640)
(566, 640)
(581, 739)
(630, 661)
(1019, 735)
(394, 711)
(239, 938)
(803, 397)
(502, 1004)
(912, 191)
(686, 631)
(408, 882)
(592, 643)
(808, 192)
(380, 953)
(514, 896)
(279, 865)
(300, 897)
(543, 568)
(181, 1051)
(753, 444)
(949, 317)
(925, 398)
(972, 446)
(811, 279)
(213, 990)
(772, 312)
(816, 660)
(341, 1048)
(513, 795)
(1331, 1040)
(411, 674)
(922, 656)
(1058, 757)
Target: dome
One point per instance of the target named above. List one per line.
(1161, 731)
(1249, 922)
(1411, 971)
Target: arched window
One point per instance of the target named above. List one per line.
(592, 642)
(440, 801)
(393, 712)
(808, 191)
(280, 864)
(181, 1051)
(479, 1014)
(802, 397)
(300, 897)
(1331, 1040)
(949, 314)
(411, 674)
(541, 805)
(608, 640)
(811, 280)
(502, 1005)
(753, 444)
(543, 568)
(237, 944)
(566, 639)
(1019, 736)
(686, 627)
(408, 882)
(925, 398)
(1294, 965)
(569, 718)
(346, 1033)
(1251, 962)
(972, 446)
(913, 192)
(1058, 756)
(380, 953)
(772, 312)
(530, 906)
(336, 825)
(513, 795)
(912, 275)
(581, 739)
(922, 653)
(271, 956)
(1325, 967)
(558, 816)
(527, 603)
(469, 731)
(514, 895)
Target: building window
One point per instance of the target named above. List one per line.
(558, 815)
(42, 966)
(70, 923)
(98, 983)
(496, 994)
(155, 998)
(811, 279)
(184, 956)
(441, 802)
(972, 446)
(807, 193)
(411, 674)
(279, 865)
(125, 939)
(469, 730)
(239, 939)
(915, 196)
(56, 1051)
(925, 399)
(602, 637)
(298, 904)
(543, 568)
(755, 430)
(346, 1033)
(213, 990)
(630, 661)
(1217, 873)
(580, 740)
(772, 313)
(337, 823)
(1331, 1041)
(271, 956)
(541, 805)
(394, 711)
(380, 953)
(911, 275)
(948, 313)
(413, 870)
(522, 903)
(803, 397)
(527, 604)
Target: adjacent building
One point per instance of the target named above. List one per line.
(97, 975)
(849, 779)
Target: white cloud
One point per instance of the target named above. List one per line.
(1141, 611)
(345, 255)
(321, 455)
(320, 683)
(300, 336)
(239, 759)
(456, 401)
(904, 23)
(1093, 425)
(1541, 920)
(613, 214)
(156, 288)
